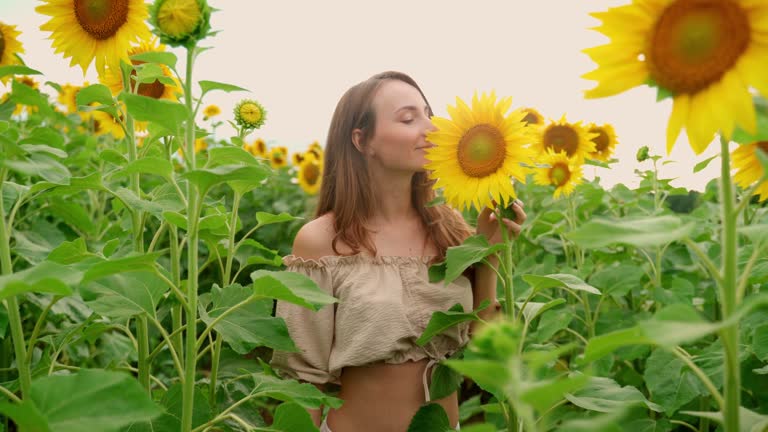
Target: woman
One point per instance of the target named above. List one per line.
(370, 245)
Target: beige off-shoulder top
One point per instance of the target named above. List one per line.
(385, 303)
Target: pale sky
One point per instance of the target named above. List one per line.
(298, 57)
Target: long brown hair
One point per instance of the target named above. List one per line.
(346, 188)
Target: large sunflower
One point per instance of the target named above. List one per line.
(706, 53)
(562, 136)
(744, 159)
(604, 140)
(563, 173)
(477, 152)
(310, 174)
(113, 79)
(100, 30)
(10, 46)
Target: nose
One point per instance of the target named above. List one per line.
(429, 126)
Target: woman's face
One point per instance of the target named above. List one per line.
(402, 122)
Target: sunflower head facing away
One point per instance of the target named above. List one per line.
(95, 30)
(749, 169)
(705, 53)
(181, 22)
(604, 139)
(478, 152)
(562, 136)
(10, 46)
(562, 172)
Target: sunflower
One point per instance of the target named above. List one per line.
(298, 157)
(200, 145)
(705, 53)
(211, 111)
(562, 172)
(477, 152)
(102, 123)
(532, 117)
(31, 83)
(100, 30)
(249, 114)
(750, 170)
(113, 78)
(10, 46)
(181, 22)
(278, 157)
(561, 135)
(310, 174)
(604, 140)
(257, 148)
(68, 96)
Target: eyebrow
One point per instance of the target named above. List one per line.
(411, 108)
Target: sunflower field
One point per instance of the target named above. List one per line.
(141, 250)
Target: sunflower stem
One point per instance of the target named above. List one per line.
(509, 291)
(142, 326)
(193, 209)
(730, 334)
(11, 303)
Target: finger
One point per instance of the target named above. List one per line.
(519, 212)
(514, 227)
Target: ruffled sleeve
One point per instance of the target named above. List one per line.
(312, 332)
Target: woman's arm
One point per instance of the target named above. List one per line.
(484, 288)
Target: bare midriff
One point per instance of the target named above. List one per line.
(384, 398)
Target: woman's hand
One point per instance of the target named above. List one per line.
(488, 226)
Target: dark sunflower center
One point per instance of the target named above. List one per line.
(561, 138)
(481, 151)
(155, 89)
(101, 18)
(763, 145)
(532, 118)
(261, 147)
(695, 42)
(311, 174)
(602, 141)
(559, 174)
(278, 157)
(2, 44)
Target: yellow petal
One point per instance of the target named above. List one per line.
(677, 119)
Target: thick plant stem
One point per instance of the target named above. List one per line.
(12, 304)
(730, 334)
(190, 354)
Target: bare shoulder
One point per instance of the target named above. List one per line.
(314, 239)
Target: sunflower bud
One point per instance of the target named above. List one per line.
(181, 22)
(642, 154)
(249, 114)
